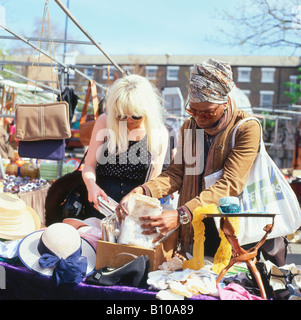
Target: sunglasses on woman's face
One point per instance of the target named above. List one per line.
(125, 117)
(205, 115)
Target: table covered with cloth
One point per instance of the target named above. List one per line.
(24, 284)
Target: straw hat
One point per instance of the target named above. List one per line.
(16, 219)
(60, 240)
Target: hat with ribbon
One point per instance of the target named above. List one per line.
(59, 252)
(16, 218)
(211, 81)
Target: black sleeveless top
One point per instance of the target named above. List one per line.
(131, 164)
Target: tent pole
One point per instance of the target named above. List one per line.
(69, 14)
(47, 55)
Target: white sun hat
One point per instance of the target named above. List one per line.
(58, 251)
(16, 218)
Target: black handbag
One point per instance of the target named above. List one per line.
(68, 198)
(74, 206)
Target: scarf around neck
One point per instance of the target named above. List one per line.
(216, 131)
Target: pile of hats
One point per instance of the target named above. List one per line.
(16, 218)
(57, 251)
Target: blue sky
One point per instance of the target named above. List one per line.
(188, 27)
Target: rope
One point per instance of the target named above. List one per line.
(51, 49)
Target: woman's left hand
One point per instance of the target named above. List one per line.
(161, 224)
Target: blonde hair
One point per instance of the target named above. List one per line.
(134, 95)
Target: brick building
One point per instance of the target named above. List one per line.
(261, 78)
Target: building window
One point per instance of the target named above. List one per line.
(244, 74)
(89, 72)
(293, 79)
(130, 69)
(172, 73)
(151, 72)
(266, 98)
(105, 72)
(267, 75)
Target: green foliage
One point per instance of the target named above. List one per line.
(269, 123)
(295, 94)
(4, 55)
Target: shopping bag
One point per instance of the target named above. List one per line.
(86, 124)
(267, 191)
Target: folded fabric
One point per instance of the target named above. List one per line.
(243, 280)
(9, 249)
(235, 291)
(168, 295)
(185, 282)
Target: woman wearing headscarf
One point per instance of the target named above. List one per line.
(128, 142)
(201, 153)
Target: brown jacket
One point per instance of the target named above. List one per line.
(236, 164)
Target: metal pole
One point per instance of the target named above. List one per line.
(40, 85)
(47, 55)
(69, 14)
(54, 40)
(65, 37)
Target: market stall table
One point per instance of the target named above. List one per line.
(36, 200)
(23, 284)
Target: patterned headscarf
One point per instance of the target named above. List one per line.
(210, 81)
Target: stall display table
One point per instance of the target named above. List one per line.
(23, 284)
(238, 253)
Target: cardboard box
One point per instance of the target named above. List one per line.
(107, 251)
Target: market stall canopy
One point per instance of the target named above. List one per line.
(31, 97)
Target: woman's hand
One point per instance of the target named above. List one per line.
(121, 209)
(93, 193)
(161, 224)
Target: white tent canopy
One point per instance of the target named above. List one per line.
(40, 97)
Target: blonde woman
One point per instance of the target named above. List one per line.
(129, 141)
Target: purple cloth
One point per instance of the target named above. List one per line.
(44, 149)
(23, 284)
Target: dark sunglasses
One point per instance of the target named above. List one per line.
(125, 117)
(205, 115)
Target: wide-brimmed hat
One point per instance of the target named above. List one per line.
(16, 218)
(58, 251)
